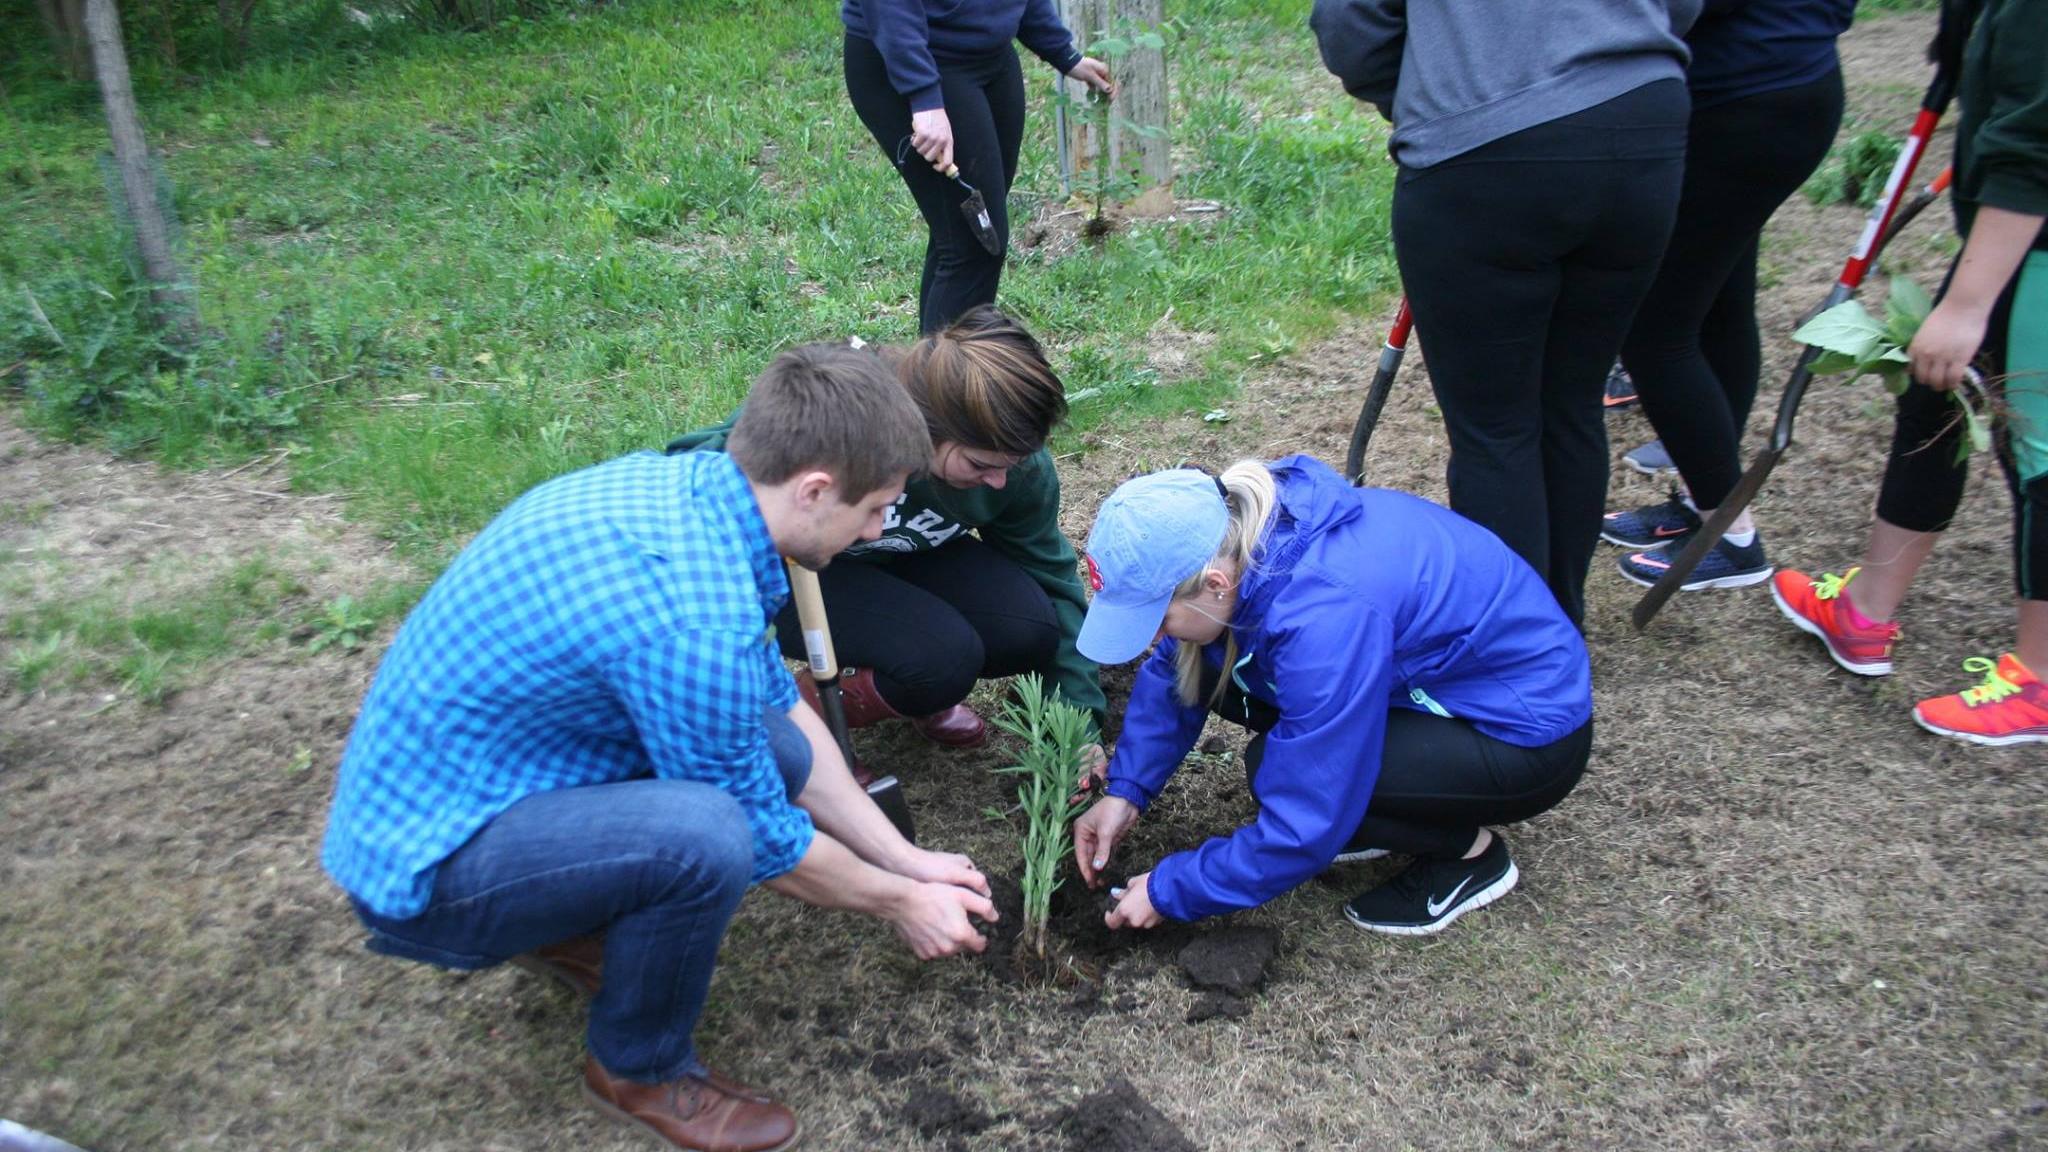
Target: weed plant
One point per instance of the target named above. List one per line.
(1054, 733)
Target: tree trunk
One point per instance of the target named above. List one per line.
(1144, 157)
(168, 290)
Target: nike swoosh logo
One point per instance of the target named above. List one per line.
(1437, 909)
(1667, 530)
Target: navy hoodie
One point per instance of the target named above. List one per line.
(914, 35)
(1362, 600)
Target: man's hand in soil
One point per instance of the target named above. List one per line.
(1097, 833)
(1135, 909)
(932, 919)
(941, 868)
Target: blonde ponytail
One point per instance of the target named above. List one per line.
(1252, 495)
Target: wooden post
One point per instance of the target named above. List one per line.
(167, 285)
(1145, 159)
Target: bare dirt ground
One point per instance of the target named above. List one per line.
(1776, 914)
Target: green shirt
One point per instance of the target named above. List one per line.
(2002, 138)
(1020, 521)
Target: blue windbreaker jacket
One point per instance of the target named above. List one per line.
(1363, 600)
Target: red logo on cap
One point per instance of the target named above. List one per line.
(1094, 573)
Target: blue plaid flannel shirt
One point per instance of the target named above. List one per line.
(612, 623)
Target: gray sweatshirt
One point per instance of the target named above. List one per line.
(1452, 75)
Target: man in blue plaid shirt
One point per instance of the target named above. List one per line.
(583, 747)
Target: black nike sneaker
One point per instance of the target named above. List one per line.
(1429, 894)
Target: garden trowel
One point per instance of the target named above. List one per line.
(885, 791)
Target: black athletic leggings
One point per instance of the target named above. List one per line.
(1693, 349)
(1923, 477)
(1524, 261)
(931, 623)
(1440, 779)
(985, 104)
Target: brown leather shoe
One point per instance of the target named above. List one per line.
(705, 1113)
(577, 963)
(956, 727)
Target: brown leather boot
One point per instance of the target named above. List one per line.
(705, 1113)
(955, 727)
(577, 963)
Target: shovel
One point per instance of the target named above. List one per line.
(974, 208)
(885, 791)
(1884, 222)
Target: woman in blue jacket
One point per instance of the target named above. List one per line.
(940, 81)
(1411, 681)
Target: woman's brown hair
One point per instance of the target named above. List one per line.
(983, 382)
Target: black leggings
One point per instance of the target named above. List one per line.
(1923, 477)
(1524, 261)
(1693, 349)
(1440, 780)
(984, 101)
(931, 623)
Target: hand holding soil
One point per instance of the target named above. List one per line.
(1097, 833)
(932, 919)
(1135, 909)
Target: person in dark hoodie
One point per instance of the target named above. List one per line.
(1405, 697)
(1993, 312)
(971, 577)
(940, 81)
(1766, 101)
(1541, 147)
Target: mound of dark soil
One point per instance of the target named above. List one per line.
(1117, 1119)
(1230, 960)
(934, 1111)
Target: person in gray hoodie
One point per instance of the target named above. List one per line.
(1541, 148)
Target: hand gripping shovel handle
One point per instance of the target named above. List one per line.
(1878, 230)
(886, 792)
(1376, 396)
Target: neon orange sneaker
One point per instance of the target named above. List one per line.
(2009, 707)
(1817, 606)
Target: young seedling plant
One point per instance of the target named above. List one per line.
(1054, 734)
(1853, 341)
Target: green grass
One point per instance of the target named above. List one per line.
(149, 649)
(456, 265)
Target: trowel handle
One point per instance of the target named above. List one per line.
(810, 615)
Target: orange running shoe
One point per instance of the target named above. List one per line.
(2009, 707)
(1817, 606)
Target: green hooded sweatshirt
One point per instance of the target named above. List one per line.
(1020, 521)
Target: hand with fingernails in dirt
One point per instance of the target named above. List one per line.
(931, 131)
(1097, 832)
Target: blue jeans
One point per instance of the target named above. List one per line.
(658, 866)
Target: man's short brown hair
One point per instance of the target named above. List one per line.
(830, 408)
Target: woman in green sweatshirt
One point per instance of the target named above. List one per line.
(972, 577)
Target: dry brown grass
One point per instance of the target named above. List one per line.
(1776, 915)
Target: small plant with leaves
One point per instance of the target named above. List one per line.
(1055, 734)
(342, 622)
(1851, 340)
(1105, 182)
(1857, 171)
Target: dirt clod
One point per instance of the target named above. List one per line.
(1232, 961)
(1117, 1119)
(933, 1111)
(1218, 1005)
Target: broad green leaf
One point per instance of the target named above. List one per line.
(1825, 364)
(1845, 328)
(1110, 47)
(1152, 40)
(1894, 377)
